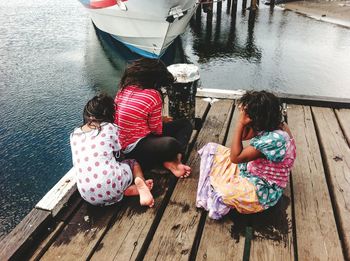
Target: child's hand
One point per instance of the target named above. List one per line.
(243, 116)
(167, 118)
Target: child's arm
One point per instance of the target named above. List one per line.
(238, 154)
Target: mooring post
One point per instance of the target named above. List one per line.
(244, 4)
(182, 95)
(253, 5)
(210, 13)
(272, 4)
(234, 8)
(228, 7)
(199, 12)
(219, 7)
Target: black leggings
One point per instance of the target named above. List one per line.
(154, 150)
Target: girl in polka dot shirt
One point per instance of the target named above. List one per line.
(101, 178)
(253, 178)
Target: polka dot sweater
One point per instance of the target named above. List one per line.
(101, 179)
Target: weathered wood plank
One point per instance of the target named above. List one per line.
(336, 156)
(220, 94)
(176, 232)
(316, 230)
(82, 234)
(344, 121)
(133, 224)
(220, 235)
(23, 235)
(272, 232)
(55, 228)
(59, 195)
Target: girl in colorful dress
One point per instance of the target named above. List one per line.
(253, 178)
(101, 178)
(144, 134)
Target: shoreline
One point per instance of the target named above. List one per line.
(335, 12)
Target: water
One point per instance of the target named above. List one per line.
(52, 62)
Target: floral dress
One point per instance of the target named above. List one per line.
(248, 187)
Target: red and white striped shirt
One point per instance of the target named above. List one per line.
(138, 113)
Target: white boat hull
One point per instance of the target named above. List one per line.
(143, 26)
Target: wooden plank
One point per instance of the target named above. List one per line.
(59, 195)
(344, 121)
(220, 94)
(236, 94)
(24, 234)
(272, 232)
(133, 224)
(201, 108)
(336, 156)
(220, 235)
(177, 229)
(56, 228)
(82, 234)
(316, 230)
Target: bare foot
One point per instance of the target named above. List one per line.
(131, 191)
(149, 183)
(178, 169)
(146, 198)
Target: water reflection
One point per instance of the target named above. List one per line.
(225, 42)
(269, 49)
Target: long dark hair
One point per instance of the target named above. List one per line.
(147, 73)
(263, 108)
(100, 108)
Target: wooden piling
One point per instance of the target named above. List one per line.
(244, 4)
(210, 14)
(219, 7)
(228, 6)
(253, 5)
(234, 8)
(199, 12)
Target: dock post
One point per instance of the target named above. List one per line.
(219, 7)
(272, 4)
(234, 8)
(253, 5)
(199, 13)
(228, 6)
(210, 13)
(182, 95)
(244, 4)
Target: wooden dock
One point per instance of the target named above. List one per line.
(311, 221)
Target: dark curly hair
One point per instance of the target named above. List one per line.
(147, 73)
(263, 108)
(100, 108)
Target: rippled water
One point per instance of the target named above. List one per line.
(52, 62)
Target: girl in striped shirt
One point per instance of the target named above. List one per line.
(144, 134)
